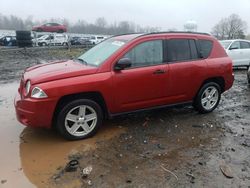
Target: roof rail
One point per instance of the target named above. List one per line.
(128, 34)
(187, 32)
(162, 32)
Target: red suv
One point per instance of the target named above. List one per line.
(123, 74)
(50, 27)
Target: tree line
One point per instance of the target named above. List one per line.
(100, 26)
(232, 27)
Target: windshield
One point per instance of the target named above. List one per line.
(43, 37)
(98, 54)
(225, 44)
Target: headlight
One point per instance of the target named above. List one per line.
(38, 93)
(27, 87)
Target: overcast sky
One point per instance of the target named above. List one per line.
(165, 14)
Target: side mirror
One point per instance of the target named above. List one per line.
(123, 64)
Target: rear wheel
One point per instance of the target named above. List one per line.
(79, 119)
(208, 97)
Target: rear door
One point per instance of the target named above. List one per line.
(245, 51)
(141, 85)
(186, 69)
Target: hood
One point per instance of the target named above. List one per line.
(56, 71)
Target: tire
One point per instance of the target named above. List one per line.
(23, 37)
(24, 43)
(23, 33)
(39, 30)
(72, 121)
(205, 104)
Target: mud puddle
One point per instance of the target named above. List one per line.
(29, 157)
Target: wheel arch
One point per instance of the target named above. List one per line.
(219, 80)
(94, 95)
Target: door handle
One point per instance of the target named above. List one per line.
(159, 71)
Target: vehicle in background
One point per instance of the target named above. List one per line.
(50, 27)
(97, 39)
(52, 39)
(80, 41)
(8, 41)
(109, 80)
(238, 50)
(248, 74)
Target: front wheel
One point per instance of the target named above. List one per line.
(79, 119)
(208, 97)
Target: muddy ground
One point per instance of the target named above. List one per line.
(174, 147)
(14, 61)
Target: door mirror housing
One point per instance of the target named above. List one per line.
(123, 64)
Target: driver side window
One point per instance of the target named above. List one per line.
(146, 54)
(235, 45)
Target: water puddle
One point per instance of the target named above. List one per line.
(29, 157)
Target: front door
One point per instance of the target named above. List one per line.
(236, 53)
(141, 85)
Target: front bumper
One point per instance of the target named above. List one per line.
(35, 112)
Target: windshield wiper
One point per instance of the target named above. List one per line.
(82, 61)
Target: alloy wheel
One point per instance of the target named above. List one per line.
(80, 120)
(209, 97)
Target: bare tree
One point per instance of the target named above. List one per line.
(230, 28)
(101, 22)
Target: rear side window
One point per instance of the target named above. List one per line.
(205, 47)
(178, 50)
(181, 50)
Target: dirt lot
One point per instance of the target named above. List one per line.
(174, 147)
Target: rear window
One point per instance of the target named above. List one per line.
(205, 47)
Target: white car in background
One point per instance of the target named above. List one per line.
(52, 39)
(238, 50)
(97, 39)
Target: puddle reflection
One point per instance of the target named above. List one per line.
(43, 151)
